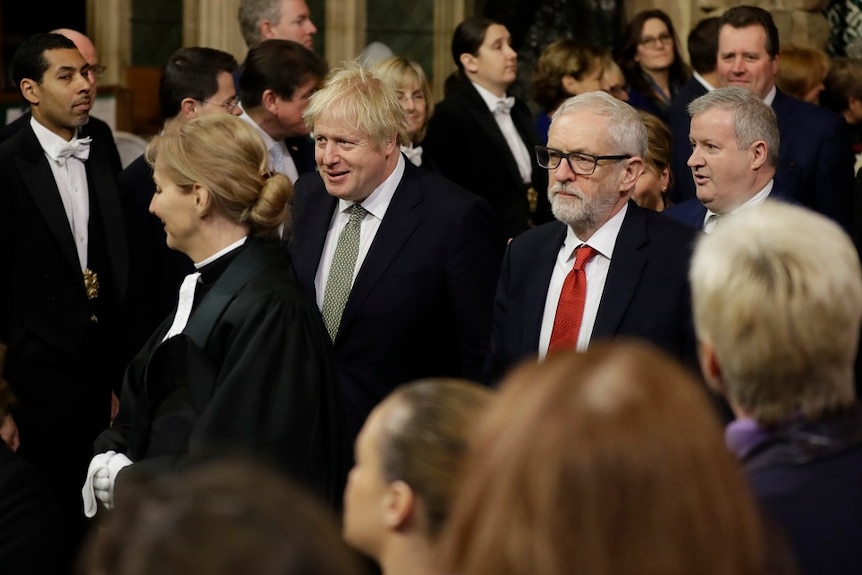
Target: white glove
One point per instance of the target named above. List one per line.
(99, 484)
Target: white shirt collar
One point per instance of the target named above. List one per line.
(754, 200)
(603, 240)
(267, 139)
(709, 87)
(378, 201)
(51, 143)
(489, 98)
(220, 253)
(770, 96)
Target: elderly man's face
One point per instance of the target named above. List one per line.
(585, 202)
(723, 173)
(351, 164)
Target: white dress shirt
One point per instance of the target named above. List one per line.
(510, 133)
(711, 218)
(280, 159)
(71, 177)
(596, 270)
(376, 204)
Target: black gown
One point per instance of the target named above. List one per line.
(260, 382)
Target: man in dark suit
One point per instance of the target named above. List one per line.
(401, 262)
(65, 272)
(702, 48)
(815, 162)
(94, 128)
(607, 268)
(278, 79)
(195, 82)
(734, 142)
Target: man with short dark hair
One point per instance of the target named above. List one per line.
(195, 82)
(64, 259)
(279, 78)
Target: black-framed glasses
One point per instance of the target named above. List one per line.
(654, 41)
(230, 105)
(580, 163)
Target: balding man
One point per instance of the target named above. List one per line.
(94, 128)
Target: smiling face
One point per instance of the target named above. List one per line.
(412, 99)
(723, 173)
(585, 202)
(657, 54)
(495, 65)
(743, 60)
(176, 208)
(351, 164)
(61, 101)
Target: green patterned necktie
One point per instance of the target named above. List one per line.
(341, 273)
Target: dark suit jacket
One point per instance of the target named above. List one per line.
(421, 303)
(646, 294)
(683, 183)
(60, 363)
(95, 128)
(815, 159)
(301, 149)
(469, 149)
(693, 212)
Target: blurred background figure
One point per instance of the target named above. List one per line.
(801, 72)
(408, 457)
(786, 368)
(414, 95)
(842, 94)
(478, 125)
(261, 20)
(651, 62)
(655, 184)
(598, 462)
(221, 518)
(565, 68)
(613, 79)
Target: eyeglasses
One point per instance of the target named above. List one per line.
(97, 70)
(230, 105)
(654, 42)
(580, 163)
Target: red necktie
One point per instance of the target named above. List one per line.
(570, 308)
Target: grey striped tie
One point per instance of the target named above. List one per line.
(340, 279)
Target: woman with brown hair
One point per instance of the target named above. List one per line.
(244, 364)
(802, 73)
(606, 462)
(408, 456)
(651, 62)
(655, 184)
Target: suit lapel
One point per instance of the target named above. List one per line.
(312, 224)
(537, 287)
(624, 274)
(104, 189)
(43, 189)
(485, 119)
(396, 228)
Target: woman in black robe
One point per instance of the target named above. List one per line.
(249, 369)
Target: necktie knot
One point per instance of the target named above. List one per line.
(583, 254)
(77, 148)
(504, 105)
(357, 213)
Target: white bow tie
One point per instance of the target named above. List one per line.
(78, 148)
(413, 153)
(504, 106)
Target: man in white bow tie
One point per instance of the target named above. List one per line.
(64, 265)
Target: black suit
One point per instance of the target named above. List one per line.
(62, 354)
(469, 148)
(421, 303)
(95, 128)
(646, 294)
(683, 182)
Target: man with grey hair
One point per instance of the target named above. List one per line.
(606, 268)
(777, 299)
(279, 19)
(734, 153)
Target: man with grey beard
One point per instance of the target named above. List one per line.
(606, 268)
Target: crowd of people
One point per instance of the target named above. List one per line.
(461, 333)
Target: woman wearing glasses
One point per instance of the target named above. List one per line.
(651, 62)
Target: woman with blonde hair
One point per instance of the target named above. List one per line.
(605, 462)
(408, 456)
(244, 364)
(414, 95)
